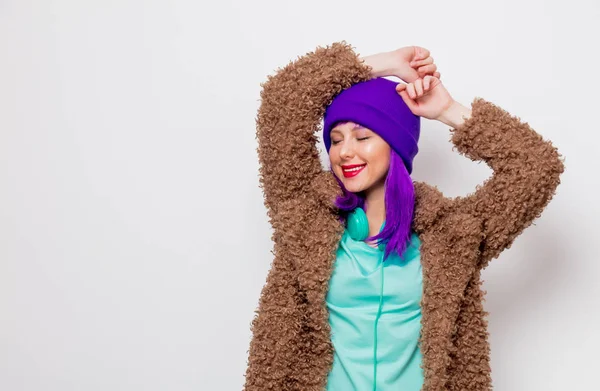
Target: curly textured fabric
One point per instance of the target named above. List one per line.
(291, 345)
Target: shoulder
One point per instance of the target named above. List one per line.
(432, 208)
(430, 205)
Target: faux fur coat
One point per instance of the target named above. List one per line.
(291, 347)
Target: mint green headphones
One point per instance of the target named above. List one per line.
(358, 226)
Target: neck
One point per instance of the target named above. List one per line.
(375, 208)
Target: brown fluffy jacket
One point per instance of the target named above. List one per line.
(291, 347)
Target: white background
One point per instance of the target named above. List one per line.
(134, 240)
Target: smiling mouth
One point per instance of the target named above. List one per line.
(353, 170)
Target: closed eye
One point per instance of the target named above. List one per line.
(359, 139)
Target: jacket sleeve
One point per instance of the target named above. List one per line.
(275, 331)
(526, 172)
(293, 102)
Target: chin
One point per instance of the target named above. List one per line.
(353, 186)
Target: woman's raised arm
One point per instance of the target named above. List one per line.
(526, 167)
(293, 102)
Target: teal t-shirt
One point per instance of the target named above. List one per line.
(375, 318)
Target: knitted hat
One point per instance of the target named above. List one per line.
(376, 105)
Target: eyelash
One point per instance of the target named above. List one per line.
(359, 139)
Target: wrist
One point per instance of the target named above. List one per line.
(382, 64)
(455, 115)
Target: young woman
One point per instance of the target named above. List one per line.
(375, 282)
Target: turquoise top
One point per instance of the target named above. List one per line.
(375, 318)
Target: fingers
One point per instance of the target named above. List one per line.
(429, 83)
(419, 63)
(418, 88)
(410, 90)
(415, 89)
(427, 69)
(426, 81)
(421, 53)
(409, 102)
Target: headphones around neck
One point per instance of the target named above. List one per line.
(358, 226)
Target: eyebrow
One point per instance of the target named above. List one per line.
(356, 127)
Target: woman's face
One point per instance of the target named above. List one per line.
(358, 156)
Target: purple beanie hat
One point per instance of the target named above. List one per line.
(376, 105)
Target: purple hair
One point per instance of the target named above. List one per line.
(399, 206)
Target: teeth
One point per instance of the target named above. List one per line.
(353, 169)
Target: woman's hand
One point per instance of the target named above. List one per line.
(414, 62)
(426, 97)
(408, 63)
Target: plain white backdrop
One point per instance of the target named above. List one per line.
(134, 240)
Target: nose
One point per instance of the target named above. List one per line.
(346, 150)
